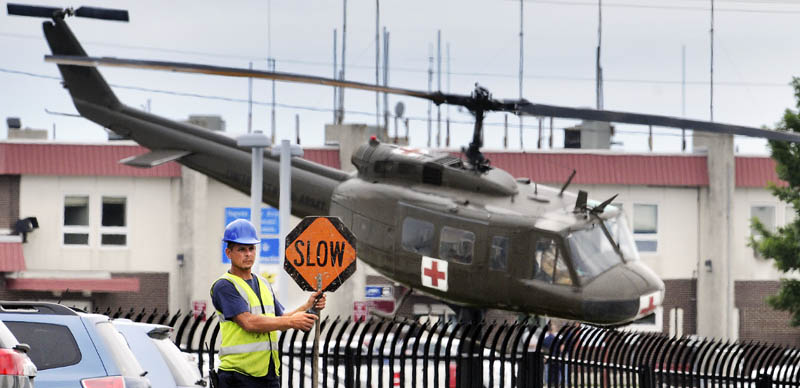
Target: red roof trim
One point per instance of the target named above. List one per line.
(77, 160)
(11, 257)
(96, 285)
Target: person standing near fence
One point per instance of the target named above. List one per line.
(250, 315)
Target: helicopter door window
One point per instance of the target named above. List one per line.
(456, 245)
(418, 236)
(562, 273)
(546, 257)
(498, 256)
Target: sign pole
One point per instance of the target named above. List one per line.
(315, 378)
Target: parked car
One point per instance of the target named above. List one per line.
(16, 368)
(166, 365)
(71, 348)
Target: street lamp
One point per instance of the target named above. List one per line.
(256, 141)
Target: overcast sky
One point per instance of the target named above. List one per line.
(755, 58)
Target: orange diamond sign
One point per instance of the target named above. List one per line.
(320, 247)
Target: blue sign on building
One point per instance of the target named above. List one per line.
(270, 224)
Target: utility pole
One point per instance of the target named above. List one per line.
(521, 56)
(683, 95)
(447, 139)
(341, 73)
(430, 80)
(439, 87)
(272, 117)
(377, 68)
(335, 76)
(250, 102)
(386, 80)
(711, 105)
(599, 69)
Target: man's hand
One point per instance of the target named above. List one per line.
(302, 321)
(310, 302)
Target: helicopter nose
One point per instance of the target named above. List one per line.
(622, 294)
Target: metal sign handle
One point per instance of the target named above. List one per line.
(315, 379)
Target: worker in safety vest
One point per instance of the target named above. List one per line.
(251, 316)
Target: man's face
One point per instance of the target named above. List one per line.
(242, 256)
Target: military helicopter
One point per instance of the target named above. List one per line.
(456, 229)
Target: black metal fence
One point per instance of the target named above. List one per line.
(390, 353)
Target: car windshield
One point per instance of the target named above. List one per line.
(120, 352)
(183, 371)
(592, 252)
(621, 233)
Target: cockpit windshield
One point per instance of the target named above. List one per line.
(592, 252)
(618, 228)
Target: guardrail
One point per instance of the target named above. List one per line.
(390, 353)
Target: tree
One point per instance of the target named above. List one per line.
(783, 245)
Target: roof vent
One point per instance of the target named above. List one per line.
(14, 122)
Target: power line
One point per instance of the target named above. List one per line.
(670, 7)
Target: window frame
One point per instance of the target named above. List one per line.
(472, 245)
(646, 236)
(114, 230)
(76, 229)
(504, 268)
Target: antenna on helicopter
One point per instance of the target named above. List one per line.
(602, 207)
(569, 180)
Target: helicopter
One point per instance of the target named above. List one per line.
(457, 229)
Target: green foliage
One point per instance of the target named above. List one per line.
(783, 245)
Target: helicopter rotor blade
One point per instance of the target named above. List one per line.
(521, 107)
(32, 10)
(56, 12)
(103, 13)
(179, 67)
(528, 108)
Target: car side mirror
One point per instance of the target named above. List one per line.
(24, 348)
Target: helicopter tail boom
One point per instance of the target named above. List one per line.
(84, 84)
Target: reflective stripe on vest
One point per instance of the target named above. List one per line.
(243, 351)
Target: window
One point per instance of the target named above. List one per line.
(456, 245)
(41, 337)
(498, 256)
(645, 227)
(592, 252)
(549, 264)
(113, 226)
(76, 220)
(417, 236)
(789, 215)
(765, 214)
(120, 352)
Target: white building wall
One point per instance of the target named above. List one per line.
(151, 213)
(746, 264)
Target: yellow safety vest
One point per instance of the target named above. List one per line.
(243, 351)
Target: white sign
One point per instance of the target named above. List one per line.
(434, 273)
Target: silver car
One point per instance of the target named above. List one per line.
(166, 365)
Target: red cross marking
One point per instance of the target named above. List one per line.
(649, 309)
(434, 274)
(409, 151)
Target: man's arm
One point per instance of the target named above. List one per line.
(261, 324)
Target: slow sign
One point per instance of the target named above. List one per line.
(320, 246)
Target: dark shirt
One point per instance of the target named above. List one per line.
(226, 298)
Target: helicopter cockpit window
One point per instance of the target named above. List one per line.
(621, 233)
(418, 236)
(592, 252)
(498, 256)
(549, 265)
(456, 245)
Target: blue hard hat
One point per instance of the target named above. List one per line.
(241, 231)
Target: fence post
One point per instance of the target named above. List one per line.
(646, 377)
(531, 372)
(469, 370)
(349, 367)
(763, 380)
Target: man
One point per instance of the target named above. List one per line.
(251, 316)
